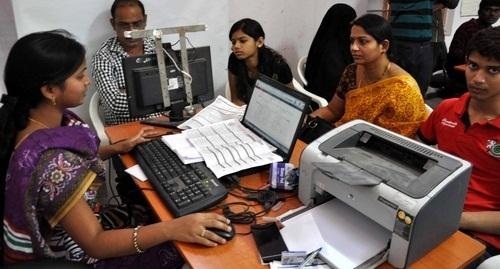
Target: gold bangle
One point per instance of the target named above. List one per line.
(134, 240)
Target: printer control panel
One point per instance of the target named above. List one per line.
(403, 224)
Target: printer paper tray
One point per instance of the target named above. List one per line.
(348, 238)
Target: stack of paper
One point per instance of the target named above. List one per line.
(348, 238)
(219, 110)
(226, 146)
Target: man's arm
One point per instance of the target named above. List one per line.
(233, 87)
(106, 80)
(482, 221)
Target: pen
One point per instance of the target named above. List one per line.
(309, 258)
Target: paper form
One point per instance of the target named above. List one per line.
(216, 136)
(228, 147)
(219, 110)
(137, 172)
(179, 144)
(347, 237)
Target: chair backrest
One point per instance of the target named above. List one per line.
(317, 99)
(227, 91)
(95, 117)
(428, 109)
(301, 69)
(492, 262)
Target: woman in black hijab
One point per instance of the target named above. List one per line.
(329, 53)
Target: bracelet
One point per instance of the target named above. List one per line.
(134, 240)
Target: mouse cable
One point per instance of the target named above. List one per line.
(245, 216)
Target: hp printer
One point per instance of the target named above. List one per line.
(413, 191)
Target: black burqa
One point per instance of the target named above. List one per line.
(330, 51)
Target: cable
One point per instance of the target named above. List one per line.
(188, 40)
(267, 198)
(243, 217)
(188, 79)
(186, 74)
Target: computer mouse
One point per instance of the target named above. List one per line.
(224, 234)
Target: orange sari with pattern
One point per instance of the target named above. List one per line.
(394, 103)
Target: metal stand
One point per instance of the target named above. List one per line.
(157, 35)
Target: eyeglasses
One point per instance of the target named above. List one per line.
(127, 26)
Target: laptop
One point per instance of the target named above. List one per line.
(276, 113)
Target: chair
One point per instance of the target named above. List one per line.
(428, 109)
(96, 120)
(227, 91)
(317, 99)
(301, 69)
(490, 263)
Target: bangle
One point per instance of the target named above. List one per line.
(134, 240)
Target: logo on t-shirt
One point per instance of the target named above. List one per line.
(449, 123)
(493, 148)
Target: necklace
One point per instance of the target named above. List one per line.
(37, 122)
(381, 76)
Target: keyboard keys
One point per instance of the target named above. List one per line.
(184, 188)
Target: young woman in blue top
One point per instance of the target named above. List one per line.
(249, 58)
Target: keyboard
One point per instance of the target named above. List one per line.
(184, 188)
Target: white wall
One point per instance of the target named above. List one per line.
(458, 20)
(7, 36)
(289, 24)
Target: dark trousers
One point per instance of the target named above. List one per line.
(417, 59)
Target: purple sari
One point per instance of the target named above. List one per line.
(49, 172)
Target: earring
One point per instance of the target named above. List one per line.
(53, 100)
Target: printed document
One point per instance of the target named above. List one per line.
(228, 147)
(219, 110)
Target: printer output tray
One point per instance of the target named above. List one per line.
(348, 238)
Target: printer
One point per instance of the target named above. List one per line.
(413, 191)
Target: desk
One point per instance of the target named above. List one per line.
(241, 252)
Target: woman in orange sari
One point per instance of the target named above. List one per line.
(373, 88)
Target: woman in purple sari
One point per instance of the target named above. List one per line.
(49, 159)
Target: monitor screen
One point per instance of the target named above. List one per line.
(143, 86)
(275, 113)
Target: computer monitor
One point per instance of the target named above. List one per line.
(143, 86)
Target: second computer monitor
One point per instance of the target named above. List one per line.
(142, 81)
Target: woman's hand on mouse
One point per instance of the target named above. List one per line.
(193, 228)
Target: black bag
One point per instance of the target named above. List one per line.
(314, 128)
